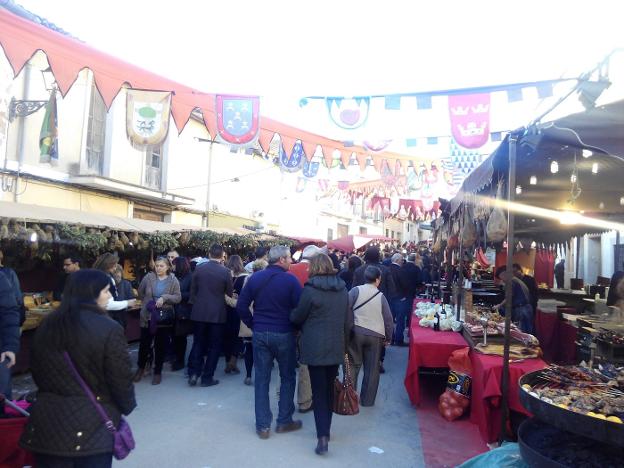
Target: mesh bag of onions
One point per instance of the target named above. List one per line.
(456, 398)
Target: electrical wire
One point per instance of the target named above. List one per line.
(229, 179)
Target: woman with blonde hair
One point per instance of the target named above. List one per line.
(159, 291)
(107, 262)
(322, 316)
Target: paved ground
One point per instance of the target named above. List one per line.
(178, 426)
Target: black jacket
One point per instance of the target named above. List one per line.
(531, 284)
(63, 420)
(413, 278)
(183, 308)
(322, 315)
(400, 281)
(211, 282)
(9, 318)
(387, 286)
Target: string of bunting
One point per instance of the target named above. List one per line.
(232, 119)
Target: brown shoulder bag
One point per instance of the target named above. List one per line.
(346, 401)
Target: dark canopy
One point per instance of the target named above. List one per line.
(599, 130)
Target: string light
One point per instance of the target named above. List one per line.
(554, 167)
(33, 237)
(587, 153)
(533, 180)
(595, 168)
(573, 178)
(518, 189)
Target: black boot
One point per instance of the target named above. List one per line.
(321, 447)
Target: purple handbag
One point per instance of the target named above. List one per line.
(123, 441)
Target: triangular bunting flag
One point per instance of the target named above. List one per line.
(328, 155)
(288, 143)
(361, 159)
(266, 136)
(309, 149)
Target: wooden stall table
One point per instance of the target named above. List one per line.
(485, 401)
(428, 348)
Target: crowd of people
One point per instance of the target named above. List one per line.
(308, 317)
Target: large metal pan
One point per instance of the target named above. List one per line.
(566, 420)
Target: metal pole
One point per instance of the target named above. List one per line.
(578, 255)
(208, 184)
(511, 183)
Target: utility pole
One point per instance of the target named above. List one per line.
(208, 182)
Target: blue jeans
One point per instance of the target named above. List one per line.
(524, 316)
(401, 309)
(268, 346)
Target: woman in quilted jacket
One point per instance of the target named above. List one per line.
(64, 428)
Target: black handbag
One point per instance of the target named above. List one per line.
(165, 317)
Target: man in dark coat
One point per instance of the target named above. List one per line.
(530, 283)
(413, 277)
(210, 284)
(560, 274)
(399, 304)
(373, 257)
(9, 334)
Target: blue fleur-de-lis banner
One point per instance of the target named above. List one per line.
(295, 161)
(310, 168)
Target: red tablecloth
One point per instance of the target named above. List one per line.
(546, 331)
(11, 455)
(428, 348)
(557, 338)
(486, 391)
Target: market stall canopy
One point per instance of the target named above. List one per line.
(355, 242)
(44, 214)
(303, 241)
(587, 148)
(21, 39)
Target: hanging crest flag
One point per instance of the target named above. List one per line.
(310, 168)
(238, 118)
(147, 117)
(470, 119)
(376, 146)
(296, 159)
(48, 135)
(348, 113)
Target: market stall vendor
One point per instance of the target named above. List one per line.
(521, 309)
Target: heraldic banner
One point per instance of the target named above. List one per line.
(470, 119)
(147, 117)
(238, 119)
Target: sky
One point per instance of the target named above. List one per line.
(283, 50)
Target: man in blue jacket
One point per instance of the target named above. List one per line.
(274, 293)
(9, 334)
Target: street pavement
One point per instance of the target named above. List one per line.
(193, 427)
